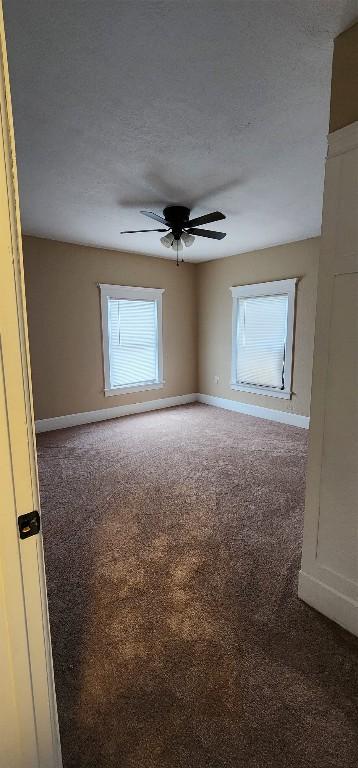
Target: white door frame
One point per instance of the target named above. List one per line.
(29, 735)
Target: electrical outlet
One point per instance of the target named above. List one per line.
(216, 379)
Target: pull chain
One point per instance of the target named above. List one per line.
(182, 258)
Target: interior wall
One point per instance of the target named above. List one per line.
(329, 575)
(215, 278)
(344, 88)
(65, 322)
(64, 319)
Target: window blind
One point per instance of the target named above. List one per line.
(133, 342)
(261, 339)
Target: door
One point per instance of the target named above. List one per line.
(28, 719)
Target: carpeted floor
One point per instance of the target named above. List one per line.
(172, 543)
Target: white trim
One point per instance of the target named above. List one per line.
(284, 417)
(130, 292)
(257, 390)
(272, 288)
(330, 602)
(343, 140)
(89, 417)
(135, 388)
(134, 293)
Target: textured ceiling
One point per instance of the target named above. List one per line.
(121, 105)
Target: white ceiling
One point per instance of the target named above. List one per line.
(127, 104)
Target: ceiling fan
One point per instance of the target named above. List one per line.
(179, 228)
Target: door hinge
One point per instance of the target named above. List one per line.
(29, 524)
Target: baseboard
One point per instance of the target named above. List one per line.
(89, 417)
(284, 417)
(338, 607)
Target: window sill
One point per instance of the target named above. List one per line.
(135, 388)
(268, 391)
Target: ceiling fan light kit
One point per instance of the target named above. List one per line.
(167, 240)
(187, 239)
(180, 229)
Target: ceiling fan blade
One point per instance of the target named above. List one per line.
(134, 231)
(154, 216)
(206, 233)
(207, 218)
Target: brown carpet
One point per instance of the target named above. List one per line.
(172, 544)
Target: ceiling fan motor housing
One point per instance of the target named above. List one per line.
(176, 217)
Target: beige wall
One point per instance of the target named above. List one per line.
(215, 308)
(65, 323)
(344, 88)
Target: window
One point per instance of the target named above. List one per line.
(262, 334)
(132, 338)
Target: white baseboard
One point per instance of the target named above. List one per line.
(88, 417)
(285, 417)
(338, 607)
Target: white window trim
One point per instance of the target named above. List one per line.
(273, 288)
(134, 293)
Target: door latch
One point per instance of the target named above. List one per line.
(29, 524)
